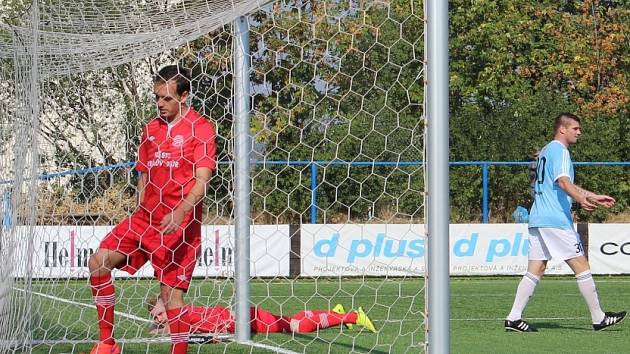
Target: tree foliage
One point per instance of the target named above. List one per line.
(334, 81)
(343, 81)
(514, 66)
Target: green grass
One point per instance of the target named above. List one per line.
(478, 306)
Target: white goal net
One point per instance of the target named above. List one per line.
(336, 105)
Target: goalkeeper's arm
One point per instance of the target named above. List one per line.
(142, 182)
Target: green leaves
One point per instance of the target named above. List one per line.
(344, 81)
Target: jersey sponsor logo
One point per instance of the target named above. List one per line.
(151, 138)
(178, 140)
(162, 158)
(182, 277)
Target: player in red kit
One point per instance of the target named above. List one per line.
(218, 319)
(176, 157)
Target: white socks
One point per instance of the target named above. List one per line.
(524, 291)
(586, 284)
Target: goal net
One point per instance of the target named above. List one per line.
(336, 105)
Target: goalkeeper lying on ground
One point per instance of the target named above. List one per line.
(219, 319)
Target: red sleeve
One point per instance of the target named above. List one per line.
(143, 159)
(204, 154)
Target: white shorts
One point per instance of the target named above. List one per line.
(548, 243)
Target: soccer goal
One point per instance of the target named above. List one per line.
(318, 198)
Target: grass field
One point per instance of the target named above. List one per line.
(478, 306)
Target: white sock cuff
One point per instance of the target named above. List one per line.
(105, 300)
(532, 277)
(584, 276)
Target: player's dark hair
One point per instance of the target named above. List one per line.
(561, 120)
(174, 72)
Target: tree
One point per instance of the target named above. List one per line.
(514, 59)
(333, 81)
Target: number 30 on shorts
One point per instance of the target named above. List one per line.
(578, 247)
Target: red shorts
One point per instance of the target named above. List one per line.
(173, 256)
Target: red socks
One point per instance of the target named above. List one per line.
(105, 299)
(179, 325)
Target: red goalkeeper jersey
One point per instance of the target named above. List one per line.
(169, 155)
(216, 319)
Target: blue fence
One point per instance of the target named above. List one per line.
(485, 167)
(315, 165)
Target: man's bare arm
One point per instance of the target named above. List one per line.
(587, 199)
(171, 222)
(142, 182)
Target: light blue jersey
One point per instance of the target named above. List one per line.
(552, 205)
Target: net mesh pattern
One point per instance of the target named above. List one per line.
(337, 120)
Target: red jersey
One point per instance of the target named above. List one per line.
(169, 155)
(216, 319)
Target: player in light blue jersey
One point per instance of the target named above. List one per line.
(552, 205)
(551, 231)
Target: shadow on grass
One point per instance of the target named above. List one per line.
(338, 344)
(556, 325)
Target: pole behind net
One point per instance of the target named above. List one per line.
(242, 174)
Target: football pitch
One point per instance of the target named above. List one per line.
(478, 306)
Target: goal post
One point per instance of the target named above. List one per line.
(242, 191)
(438, 213)
(318, 197)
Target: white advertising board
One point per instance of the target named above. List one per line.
(331, 250)
(486, 249)
(63, 251)
(399, 250)
(372, 249)
(609, 248)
